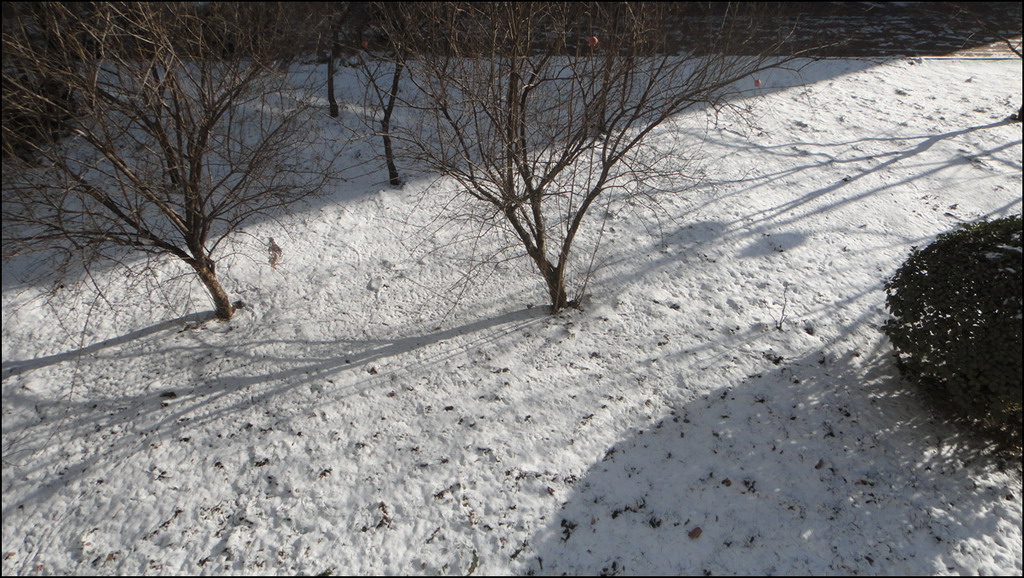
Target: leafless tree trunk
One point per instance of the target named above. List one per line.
(180, 126)
(335, 27)
(541, 111)
(382, 101)
(332, 100)
(385, 123)
(381, 61)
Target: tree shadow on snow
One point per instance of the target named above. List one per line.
(851, 169)
(11, 368)
(228, 380)
(773, 231)
(789, 472)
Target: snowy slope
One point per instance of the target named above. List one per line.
(726, 402)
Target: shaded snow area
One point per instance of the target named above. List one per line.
(725, 403)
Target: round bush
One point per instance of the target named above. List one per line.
(956, 325)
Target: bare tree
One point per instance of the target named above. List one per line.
(541, 112)
(335, 24)
(180, 127)
(357, 32)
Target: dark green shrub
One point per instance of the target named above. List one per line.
(956, 325)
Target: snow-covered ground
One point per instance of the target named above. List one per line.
(726, 403)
